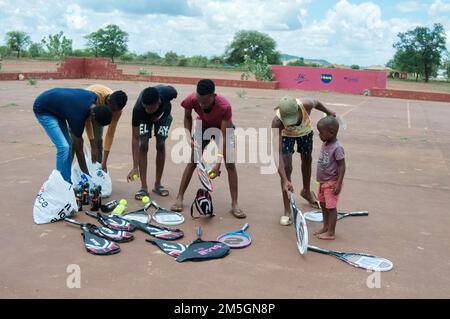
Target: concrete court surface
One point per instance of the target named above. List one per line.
(398, 159)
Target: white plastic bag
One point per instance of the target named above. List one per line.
(55, 200)
(98, 176)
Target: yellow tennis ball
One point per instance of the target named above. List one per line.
(134, 177)
(211, 173)
(145, 200)
(123, 202)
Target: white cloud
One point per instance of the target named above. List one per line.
(74, 17)
(343, 33)
(409, 6)
(349, 33)
(439, 7)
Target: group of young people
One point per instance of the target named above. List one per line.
(65, 113)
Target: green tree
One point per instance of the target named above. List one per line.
(446, 65)
(423, 47)
(110, 41)
(408, 61)
(150, 56)
(253, 44)
(58, 46)
(17, 41)
(35, 50)
(171, 58)
(93, 42)
(355, 67)
(4, 51)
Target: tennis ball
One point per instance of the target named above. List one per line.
(134, 177)
(145, 200)
(211, 173)
(123, 202)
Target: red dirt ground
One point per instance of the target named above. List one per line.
(397, 169)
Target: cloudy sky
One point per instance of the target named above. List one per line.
(345, 31)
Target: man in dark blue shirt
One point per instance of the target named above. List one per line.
(152, 110)
(61, 108)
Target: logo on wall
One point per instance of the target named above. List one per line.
(301, 78)
(326, 78)
(350, 79)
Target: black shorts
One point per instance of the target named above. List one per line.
(304, 144)
(216, 134)
(160, 128)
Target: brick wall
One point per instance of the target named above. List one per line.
(411, 95)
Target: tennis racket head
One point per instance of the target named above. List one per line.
(139, 215)
(167, 217)
(204, 178)
(301, 231)
(369, 262)
(236, 239)
(315, 216)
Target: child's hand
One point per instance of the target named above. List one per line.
(337, 188)
(287, 187)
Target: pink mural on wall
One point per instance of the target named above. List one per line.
(323, 79)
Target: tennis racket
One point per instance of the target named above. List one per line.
(165, 216)
(140, 215)
(236, 239)
(113, 222)
(359, 260)
(316, 216)
(301, 229)
(119, 236)
(202, 171)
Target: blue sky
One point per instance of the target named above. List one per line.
(343, 31)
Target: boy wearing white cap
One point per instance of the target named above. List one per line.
(293, 121)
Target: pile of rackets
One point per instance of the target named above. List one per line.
(116, 229)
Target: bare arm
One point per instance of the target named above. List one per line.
(134, 152)
(78, 143)
(109, 138)
(276, 124)
(341, 173)
(315, 104)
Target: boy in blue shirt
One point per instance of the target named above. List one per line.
(59, 109)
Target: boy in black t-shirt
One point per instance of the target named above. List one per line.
(152, 110)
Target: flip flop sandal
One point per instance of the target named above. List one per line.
(140, 194)
(161, 191)
(238, 213)
(285, 221)
(177, 209)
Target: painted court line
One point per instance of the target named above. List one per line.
(23, 157)
(408, 112)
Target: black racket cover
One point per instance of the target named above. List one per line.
(97, 245)
(201, 250)
(171, 249)
(114, 222)
(158, 231)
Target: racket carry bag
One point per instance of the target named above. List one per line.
(200, 250)
(203, 204)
